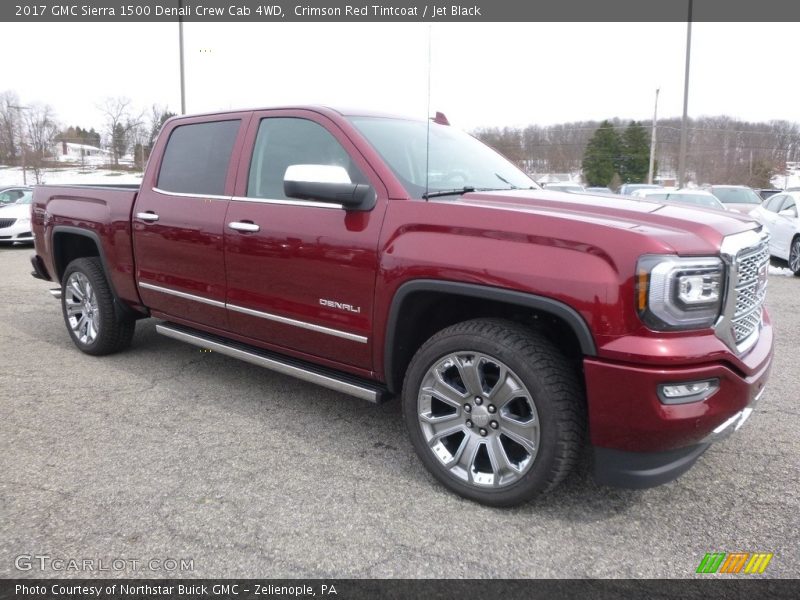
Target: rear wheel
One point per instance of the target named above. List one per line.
(88, 307)
(494, 411)
(794, 256)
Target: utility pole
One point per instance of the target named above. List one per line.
(653, 143)
(180, 43)
(684, 121)
(19, 110)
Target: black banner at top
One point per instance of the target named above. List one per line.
(398, 10)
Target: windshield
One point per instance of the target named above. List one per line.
(736, 195)
(27, 198)
(457, 160)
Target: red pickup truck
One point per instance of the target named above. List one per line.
(382, 256)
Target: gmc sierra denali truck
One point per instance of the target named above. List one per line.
(383, 256)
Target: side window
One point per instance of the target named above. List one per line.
(285, 141)
(774, 202)
(196, 158)
(789, 203)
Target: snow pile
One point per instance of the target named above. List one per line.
(783, 271)
(74, 175)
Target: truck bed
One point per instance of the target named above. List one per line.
(104, 211)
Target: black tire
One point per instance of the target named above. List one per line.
(553, 385)
(112, 332)
(794, 256)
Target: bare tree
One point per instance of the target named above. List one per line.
(41, 130)
(119, 122)
(9, 126)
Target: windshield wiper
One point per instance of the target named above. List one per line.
(454, 192)
(506, 181)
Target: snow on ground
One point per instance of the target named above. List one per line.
(13, 176)
(773, 270)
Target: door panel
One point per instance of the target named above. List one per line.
(784, 228)
(181, 253)
(306, 279)
(178, 220)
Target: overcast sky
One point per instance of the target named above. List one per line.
(481, 74)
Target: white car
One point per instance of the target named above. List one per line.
(15, 220)
(564, 186)
(779, 215)
(698, 198)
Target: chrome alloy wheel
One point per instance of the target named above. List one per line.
(478, 419)
(794, 256)
(81, 306)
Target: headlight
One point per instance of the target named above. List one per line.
(24, 221)
(679, 293)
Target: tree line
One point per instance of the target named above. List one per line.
(721, 149)
(30, 133)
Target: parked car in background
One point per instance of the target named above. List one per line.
(599, 190)
(699, 198)
(564, 186)
(628, 188)
(9, 195)
(766, 192)
(778, 215)
(736, 197)
(15, 220)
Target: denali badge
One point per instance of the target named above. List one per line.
(340, 305)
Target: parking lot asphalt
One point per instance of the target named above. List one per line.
(165, 451)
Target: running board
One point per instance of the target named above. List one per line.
(347, 384)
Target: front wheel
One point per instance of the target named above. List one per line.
(494, 411)
(88, 307)
(794, 256)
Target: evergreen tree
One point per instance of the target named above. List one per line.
(601, 159)
(635, 159)
(119, 142)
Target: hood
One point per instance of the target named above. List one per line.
(679, 228)
(744, 209)
(15, 211)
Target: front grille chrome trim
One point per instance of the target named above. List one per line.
(746, 256)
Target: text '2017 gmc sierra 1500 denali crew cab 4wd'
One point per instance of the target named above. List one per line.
(384, 256)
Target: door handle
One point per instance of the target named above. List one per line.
(244, 226)
(147, 216)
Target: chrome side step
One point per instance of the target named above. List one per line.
(287, 366)
(56, 293)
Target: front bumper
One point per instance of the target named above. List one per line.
(648, 469)
(16, 233)
(641, 442)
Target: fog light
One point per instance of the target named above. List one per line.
(683, 393)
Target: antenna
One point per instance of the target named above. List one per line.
(428, 117)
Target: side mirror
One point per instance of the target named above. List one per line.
(789, 212)
(327, 183)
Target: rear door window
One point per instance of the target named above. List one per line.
(197, 157)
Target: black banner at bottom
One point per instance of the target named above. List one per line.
(433, 589)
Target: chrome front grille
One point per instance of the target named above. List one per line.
(747, 256)
(7, 223)
(750, 290)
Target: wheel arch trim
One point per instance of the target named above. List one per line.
(544, 304)
(121, 307)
